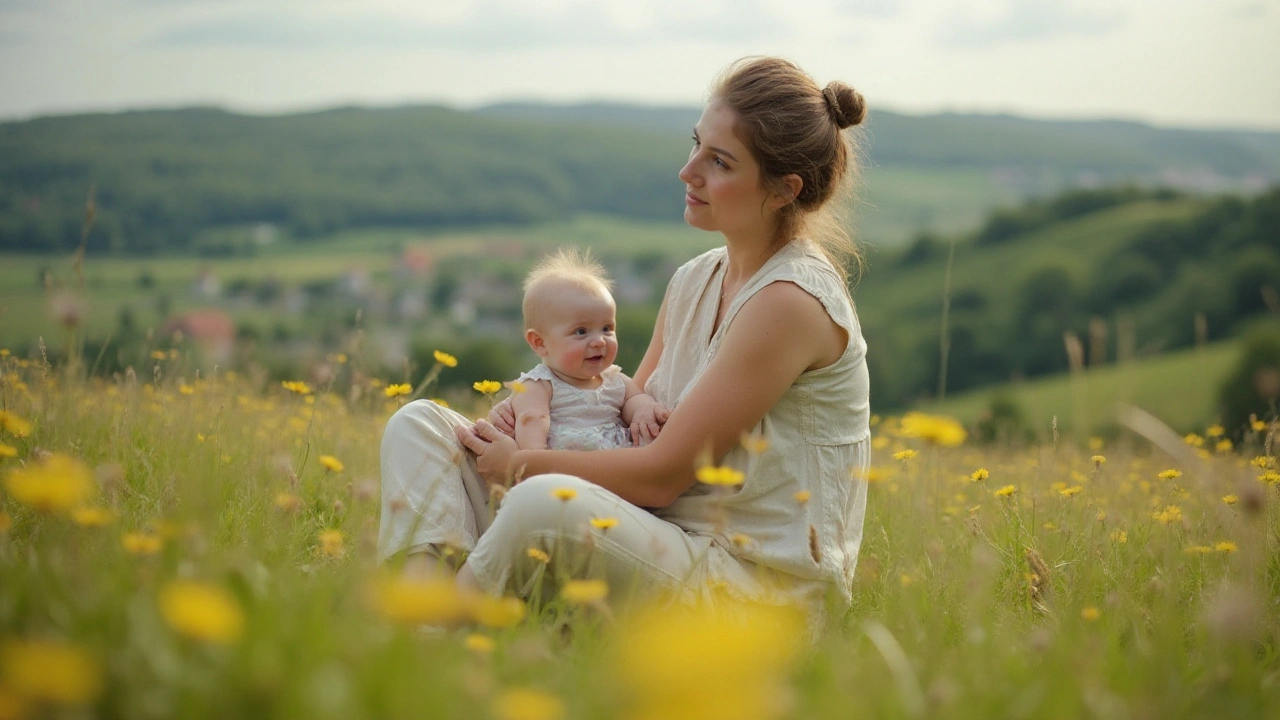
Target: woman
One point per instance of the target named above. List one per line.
(758, 338)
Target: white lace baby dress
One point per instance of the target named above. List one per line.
(585, 419)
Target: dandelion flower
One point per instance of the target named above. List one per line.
(1169, 474)
(487, 387)
(331, 543)
(979, 475)
(57, 485)
(1270, 477)
(1006, 491)
(1262, 462)
(1090, 614)
(604, 523)
(50, 671)
(1257, 425)
(1098, 460)
(445, 359)
(584, 592)
(719, 475)
(13, 424)
(478, 644)
(1214, 431)
(802, 497)
(141, 543)
(92, 516)
(1119, 537)
(933, 429)
(297, 387)
(539, 555)
(158, 355)
(498, 612)
(416, 601)
(564, 494)
(8, 451)
(1068, 492)
(397, 390)
(1225, 546)
(288, 501)
(904, 455)
(331, 463)
(1170, 514)
(201, 611)
(527, 704)
(517, 387)
(1224, 445)
(1193, 440)
(1230, 499)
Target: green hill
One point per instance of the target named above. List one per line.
(164, 180)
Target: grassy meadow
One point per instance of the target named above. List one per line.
(195, 544)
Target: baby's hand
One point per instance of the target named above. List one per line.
(503, 417)
(647, 423)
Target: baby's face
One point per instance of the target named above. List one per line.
(577, 328)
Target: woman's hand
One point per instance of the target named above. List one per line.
(493, 450)
(503, 417)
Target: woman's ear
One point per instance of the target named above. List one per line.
(536, 342)
(792, 185)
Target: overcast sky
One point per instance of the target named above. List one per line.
(1168, 62)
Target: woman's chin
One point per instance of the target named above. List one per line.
(692, 220)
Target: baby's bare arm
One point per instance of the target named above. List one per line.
(533, 415)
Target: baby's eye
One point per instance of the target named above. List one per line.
(608, 328)
(580, 331)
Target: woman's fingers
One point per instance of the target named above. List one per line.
(467, 436)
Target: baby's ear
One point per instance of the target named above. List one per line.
(536, 342)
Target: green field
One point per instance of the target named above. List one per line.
(1180, 388)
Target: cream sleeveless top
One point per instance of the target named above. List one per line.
(817, 433)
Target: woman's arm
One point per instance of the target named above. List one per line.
(778, 334)
(654, 351)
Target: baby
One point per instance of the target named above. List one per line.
(576, 398)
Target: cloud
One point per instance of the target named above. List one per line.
(871, 8)
(483, 25)
(1019, 21)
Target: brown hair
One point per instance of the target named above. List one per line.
(791, 126)
(566, 266)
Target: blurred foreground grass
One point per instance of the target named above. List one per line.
(183, 546)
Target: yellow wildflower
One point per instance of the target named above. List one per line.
(979, 475)
(50, 671)
(288, 501)
(1102, 515)
(1193, 440)
(158, 355)
(414, 601)
(1119, 537)
(1257, 425)
(487, 387)
(527, 704)
(904, 455)
(1225, 546)
(397, 390)
(441, 402)
(13, 424)
(331, 543)
(719, 475)
(1098, 460)
(754, 443)
(201, 611)
(564, 494)
(802, 497)
(1090, 613)
(604, 523)
(8, 451)
(517, 387)
(1230, 499)
(445, 359)
(880, 442)
(933, 429)
(1096, 443)
(92, 516)
(539, 555)
(1068, 492)
(58, 484)
(1171, 514)
(140, 542)
(498, 612)
(331, 463)
(1169, 474)
(584, 592)
(1223, 445)
(1214, 431)
(479, 644)
(297, 387)
(186, 389)
(1006, 491)
(1262, 462)
(1270, 477)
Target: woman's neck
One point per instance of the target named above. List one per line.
(746, 257)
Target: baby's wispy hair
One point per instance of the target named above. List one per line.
(571, 265)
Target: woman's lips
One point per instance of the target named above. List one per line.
(691, 200)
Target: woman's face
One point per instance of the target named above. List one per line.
(723, 192)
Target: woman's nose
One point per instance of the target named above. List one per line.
(686, 173)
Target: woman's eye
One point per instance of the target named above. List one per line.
(696, 141)
(720, 162)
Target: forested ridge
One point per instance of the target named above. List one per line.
(161, 178)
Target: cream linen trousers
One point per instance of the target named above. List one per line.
(433, 499)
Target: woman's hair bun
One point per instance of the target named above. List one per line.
(845, 104)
